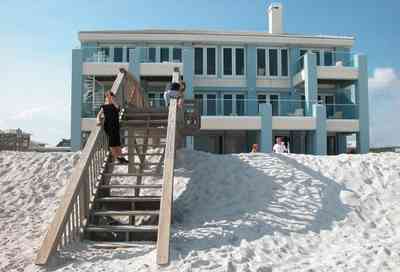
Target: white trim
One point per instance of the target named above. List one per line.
(176, 36)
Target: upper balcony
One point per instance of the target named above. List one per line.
(98, 61)
(338, 66)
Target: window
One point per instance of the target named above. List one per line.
(198, 61)
(273, 100)
(164, 54)
(261, 58)
(234, 104)
(177, 54)
(318, 56)
(205, 61)
(129, 50)
(284, 62)
(328, 56)
(199, 102)
(156, 99)
(240, 107)
(329, 101)
(118, 52)
(211, 104)
(239, 61)
(103, 54)
(152, 54)
(273, 62)
(227, 63)
(228, 107)
(211, 63)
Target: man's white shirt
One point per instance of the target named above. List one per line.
(279, 148)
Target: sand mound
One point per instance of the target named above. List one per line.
(245, 212)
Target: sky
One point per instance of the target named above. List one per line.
(37, 38)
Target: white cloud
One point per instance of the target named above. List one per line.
(384, 100)
(384, 79)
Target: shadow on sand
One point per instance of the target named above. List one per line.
(230, 198)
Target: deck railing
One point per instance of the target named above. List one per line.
(72, 214)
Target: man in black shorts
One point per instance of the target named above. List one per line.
(110, 111)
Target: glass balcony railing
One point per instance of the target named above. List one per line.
(248, 107)
(329, 59)
(342, 111)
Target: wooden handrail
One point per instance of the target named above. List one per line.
(71, 216)
(164, 223)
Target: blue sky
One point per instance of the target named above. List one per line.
(37, 38)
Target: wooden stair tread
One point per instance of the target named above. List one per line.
(126, 213)
(111, 245)
(133, 174)
(121, 228)
(128, 199)
(134, 186)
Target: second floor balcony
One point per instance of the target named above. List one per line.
(337, 66)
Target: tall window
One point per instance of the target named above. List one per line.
(177, 54)
(328, 57)
(211, 63)
(234, 61)
(103, 54)
(118, 52)
(211, 104)
(227, 53)
(199, 102)
(164, 54)
(318, 56)
(234, 104)
(152, 54)
(205, 60)
(261, 59)
(284, 62)
(273, 62)
(273, 100)
(129, 50)
(198, 61)
(239, 61)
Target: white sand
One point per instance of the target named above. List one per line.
(246, 212)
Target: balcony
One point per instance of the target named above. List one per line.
(98, 61)
(338, 66)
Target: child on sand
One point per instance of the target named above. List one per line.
(110, 112)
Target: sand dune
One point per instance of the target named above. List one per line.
(244, 212)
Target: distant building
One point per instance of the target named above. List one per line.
(14, 139)
(64, 143)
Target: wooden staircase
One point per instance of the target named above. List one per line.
(117, 204)
(127, 206)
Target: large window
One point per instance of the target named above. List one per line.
(156, 99)
(239, 61)
(129, 50)
(227, 53)
(177, 54)
(272, 62)
(273, 100)
(118, 53)
(164, 54)
(207, 103)
(328, 58)
(284, 62)
(211, 63)
(234, 104)
(205, 61)
(324, 57)
(152, 54)
(103, 54)
(233, 61)
(198, 61)
(261, 62)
